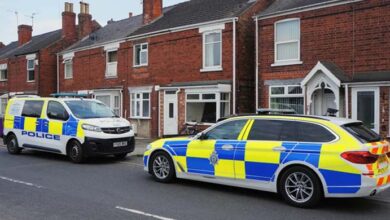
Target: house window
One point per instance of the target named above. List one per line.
(68, 65)
(30, 70)
(287, 42)
(140, 105)
(3, 75)
(3, 105)
(141, 55)
(212, 50)
(207, 107)
(112, 63)
(287, 97)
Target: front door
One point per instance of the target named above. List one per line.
(365, 106)
(171, 126)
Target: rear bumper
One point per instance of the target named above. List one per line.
(100, 147)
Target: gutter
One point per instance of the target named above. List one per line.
(306, 8)
(58, 74)
(150, 34)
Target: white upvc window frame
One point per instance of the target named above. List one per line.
(295, 61)
(134, 100)
(67, 74)
(285, 94)
(216, 67)
(3, 105)
(3, 69)
(111, 66)
(140, 52)
(217, 100)
(30, 69)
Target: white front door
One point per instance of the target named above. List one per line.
(111, 99)
(365, 106)
(170, 113)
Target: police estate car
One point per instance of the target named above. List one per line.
(78, 128)
(302, 158)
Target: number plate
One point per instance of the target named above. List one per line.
(120, 144)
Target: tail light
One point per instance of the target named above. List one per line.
(388, 154)
(360, 157)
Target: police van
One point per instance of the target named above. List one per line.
(76, 127)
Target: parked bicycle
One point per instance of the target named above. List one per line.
(190, 128)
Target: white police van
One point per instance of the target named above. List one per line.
(78, 128)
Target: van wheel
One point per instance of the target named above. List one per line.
(120, 156)
(12, 145)
(300, 187)
(75, 152)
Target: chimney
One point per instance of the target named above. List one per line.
(24, 34)
(85, 20)
(69, 31)
(152, 9)
(130, 14)
(1, 45)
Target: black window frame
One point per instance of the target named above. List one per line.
(57, 118)
(298, 132)
(30, 107)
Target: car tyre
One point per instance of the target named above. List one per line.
(13, 146)
(300, 187)
(75, 152)
(162, 168)
(120, 156)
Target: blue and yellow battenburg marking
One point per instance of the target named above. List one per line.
(252, 160)
(38, 127)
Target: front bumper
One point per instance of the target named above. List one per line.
(100, 147)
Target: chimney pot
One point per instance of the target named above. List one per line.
(69, 22)
(130, 14)
(2, 45)
(85, 21)
(24, 34)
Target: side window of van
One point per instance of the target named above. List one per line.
(56, 111)
(32, 109)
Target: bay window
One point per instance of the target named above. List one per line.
(287, 42)
(287, 97)
(207, 107)
(140, 105)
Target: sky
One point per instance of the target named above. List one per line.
(48, 13)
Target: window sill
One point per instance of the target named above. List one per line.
(140, 118)
(68, 78)
(32, 81)
(286, 63)
(140, 66)
(111, 77)
(211, 69)
(3, 80)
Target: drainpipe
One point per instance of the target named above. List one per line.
(58, 74)
(234, 67)
(346, 100)
(257, 64)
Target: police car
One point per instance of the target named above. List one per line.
(303, 158)
(78, 128)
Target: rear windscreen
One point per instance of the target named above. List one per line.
(361, 132)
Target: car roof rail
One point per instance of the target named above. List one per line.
(268, 111)
(25, 96)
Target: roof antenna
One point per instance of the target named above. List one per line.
(32, 16)
(16, 15)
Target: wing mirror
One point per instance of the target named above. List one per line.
(201, 136)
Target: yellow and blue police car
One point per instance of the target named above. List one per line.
(303, 158)
(78, 128)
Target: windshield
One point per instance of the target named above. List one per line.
(84, 109)
(361, 132)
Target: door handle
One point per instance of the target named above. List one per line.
(279, 149)
(227, 147)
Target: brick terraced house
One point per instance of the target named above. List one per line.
(28, 66)
(193, 61)
(320, 54)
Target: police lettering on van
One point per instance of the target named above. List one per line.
(78, 128)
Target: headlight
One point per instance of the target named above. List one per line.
(149, 147)
(94, 128)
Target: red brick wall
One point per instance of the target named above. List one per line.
(354, 36)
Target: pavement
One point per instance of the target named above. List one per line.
(37, 185)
